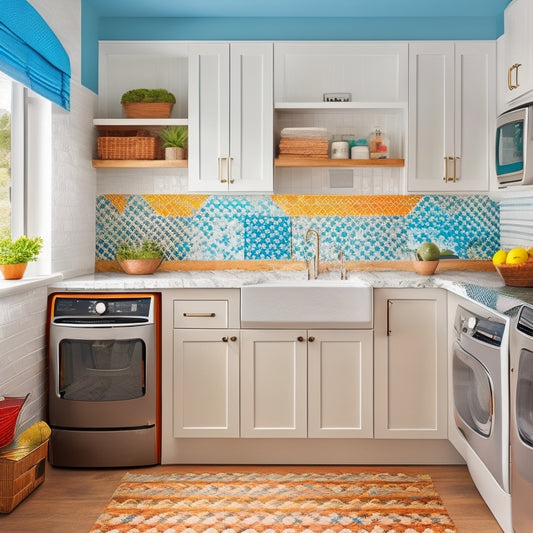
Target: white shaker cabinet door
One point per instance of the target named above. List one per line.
(273, 383)
(208, 116)
(518, 63)
(341, 403)
(410, 384)
(206, 383)
(452, 108)
(252, 113)
(230, 117)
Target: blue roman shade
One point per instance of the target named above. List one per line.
(31, 53)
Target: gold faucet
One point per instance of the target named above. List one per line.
(316, 258)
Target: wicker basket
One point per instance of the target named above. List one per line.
(139, 146)
(19, 478)
(520, 275)
(9, 412)
(147, 109)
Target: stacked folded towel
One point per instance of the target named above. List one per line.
(308, 142)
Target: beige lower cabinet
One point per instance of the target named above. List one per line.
(410, 369)
(306, 383)
(206, 383)
(200, 365)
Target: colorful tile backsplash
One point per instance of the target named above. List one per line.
(203, 227)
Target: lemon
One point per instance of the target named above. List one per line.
(517, 256)
(499, 257)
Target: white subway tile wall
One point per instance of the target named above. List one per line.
(23, 352)
(516, 220)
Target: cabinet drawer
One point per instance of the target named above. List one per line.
(201, 313)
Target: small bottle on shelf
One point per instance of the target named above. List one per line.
(378, 144)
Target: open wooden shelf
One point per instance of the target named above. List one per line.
(309, 162)
(135, 123)
(139, 163)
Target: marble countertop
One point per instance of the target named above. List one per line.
(486, 288)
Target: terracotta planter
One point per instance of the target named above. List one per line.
(174, 153)
(425, 268)
(147, 109)
(140, 266)
(15, 271)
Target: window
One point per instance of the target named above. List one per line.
(11, 157)
(5, 156)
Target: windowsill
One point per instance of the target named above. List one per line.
(20, 286)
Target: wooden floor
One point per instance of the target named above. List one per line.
(70, 500)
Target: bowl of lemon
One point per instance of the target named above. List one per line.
(515, 266)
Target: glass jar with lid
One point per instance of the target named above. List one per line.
(378, 144)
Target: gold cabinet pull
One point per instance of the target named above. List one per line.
(447, 159)
(229, 169)
(510, 83)
(389, 304)
(455, 168)
(219, 169)
(199, 315)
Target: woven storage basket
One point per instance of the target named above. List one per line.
(20, 478)
(139, 146)
(520, 275)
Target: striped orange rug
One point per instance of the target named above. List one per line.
(275, 503)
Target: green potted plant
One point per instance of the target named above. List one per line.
(140, 259)
(16, 254)
(147, 103)
(174, 141)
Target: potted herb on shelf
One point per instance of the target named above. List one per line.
(16, 254)
(174, 141)
(147, 103)
(142, 259)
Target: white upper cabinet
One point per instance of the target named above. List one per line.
(452, 108)
(518, 65)
(369, 71)
(230, 117)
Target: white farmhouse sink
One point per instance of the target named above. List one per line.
(307, 304)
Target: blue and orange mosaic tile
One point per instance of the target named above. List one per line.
(203, 227)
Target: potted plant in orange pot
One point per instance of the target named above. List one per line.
(16, 254)
(142, 259)
(148, 103)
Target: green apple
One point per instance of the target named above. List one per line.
(428, 251)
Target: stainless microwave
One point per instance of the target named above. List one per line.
(514, 147)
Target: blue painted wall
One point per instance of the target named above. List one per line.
(272, 29)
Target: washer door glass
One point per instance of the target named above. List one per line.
(102, 370)
(524, 397)
(472, 392)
